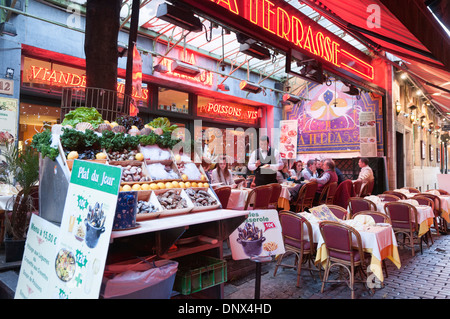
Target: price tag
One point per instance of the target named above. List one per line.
(6, 86)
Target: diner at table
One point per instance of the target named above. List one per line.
(222, 174)
(327, 177)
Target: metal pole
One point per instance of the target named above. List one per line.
(131, 43)
(258, 280)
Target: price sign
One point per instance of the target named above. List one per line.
(6, 86)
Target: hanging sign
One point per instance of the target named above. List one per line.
(288, 139)
(258, 236)
(284, 27)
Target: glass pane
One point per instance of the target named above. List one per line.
(226, 111)
(173, 101)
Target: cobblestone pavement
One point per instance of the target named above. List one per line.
(424, 276)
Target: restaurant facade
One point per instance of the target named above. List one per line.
(350, 112)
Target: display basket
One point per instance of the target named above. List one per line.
(149, 197)
(209, 207)
(173, 212)
(197, 272)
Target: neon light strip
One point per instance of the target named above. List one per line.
(370, 74)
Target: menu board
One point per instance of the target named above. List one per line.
(8, 122)
(288, 139)
(258, 236)
(368, 134)
(38, 260)
(67, 262)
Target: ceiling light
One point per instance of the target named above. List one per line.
(160, 68)
(179, 17)
(255, 51)
(291, 98)
(185, 68)
(223, 87)
(353, 90)
(403, 76)
(249, 87)
(8, 28)
(418, 92)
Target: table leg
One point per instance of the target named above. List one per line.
(258, 281)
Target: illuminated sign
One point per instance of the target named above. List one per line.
(281, 21)
(228, 111)
(54, 77)
(205, 77)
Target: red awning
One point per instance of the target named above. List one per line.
(407, 30)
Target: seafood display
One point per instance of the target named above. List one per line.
(133, 173)
(172, 199)
(124, 155)
(190, 170)
(144, 207)
(160, 171)
(65, 265)
(201, 197)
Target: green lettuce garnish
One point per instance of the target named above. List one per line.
(83, 114)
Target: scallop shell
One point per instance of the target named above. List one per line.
(134, 131)
(119, 129)
(83, 126)
(146, 131)
(104, 127)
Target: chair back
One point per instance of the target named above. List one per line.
(296, 231)
(328, 192)
(339, 244)
(305, 196)
(358, 204)
(388, 197)
(366, 189)
(411, 189)
(223, 193)
(436, 200)
(424, 200)
(357, 188)
(338, 211)
(276, 191)
(378, 217)
(402, 215)
(259, 197)
(398, 194)
(443, 192)
(343, 193)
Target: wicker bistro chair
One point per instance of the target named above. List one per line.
(398, 194)
(305, 197)
(338, 211)
(298, 239)
(404, 221)
(378, 217)
(411, 189)
(440, 223)
(443, 192)
(343, 193)
(388, 197)
(343, 251)
(424, 200)
(276, 191)
(357, 188)
(223, 193)
(358, 204)
(327, 194)
(259, 197)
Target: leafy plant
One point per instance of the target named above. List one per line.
(83, 114)
(21, 169)
(42, 143)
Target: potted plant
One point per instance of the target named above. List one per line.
(21, 171)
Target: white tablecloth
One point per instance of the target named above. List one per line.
(6, 202)
(238, 197)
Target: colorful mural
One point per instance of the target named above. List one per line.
(329, 121)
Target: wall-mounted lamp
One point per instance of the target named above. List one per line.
(179, 17)
(122, 51)
(418, 92)
(250, 87)
(413, 116)
(161, 68)
(291, 98)
(398, 107)
(403, 76)
(8, 28)
(185, 68)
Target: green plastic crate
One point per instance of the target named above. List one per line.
(196, 272)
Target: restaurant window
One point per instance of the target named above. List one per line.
(173, 101)
(226, 111)
(34, 119)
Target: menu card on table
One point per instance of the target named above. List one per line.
(322, 212)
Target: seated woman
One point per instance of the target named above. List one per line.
(296, 171)
(283, 175)
(222, 174)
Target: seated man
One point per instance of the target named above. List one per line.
(366, 174)
(328, 176)
(310, 170)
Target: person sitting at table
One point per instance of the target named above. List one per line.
(283, 175)
(341, 177)
(222, 174)
(366, 173)
(329, 176)
(296, 171)
(310, 170)
(319, 167)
